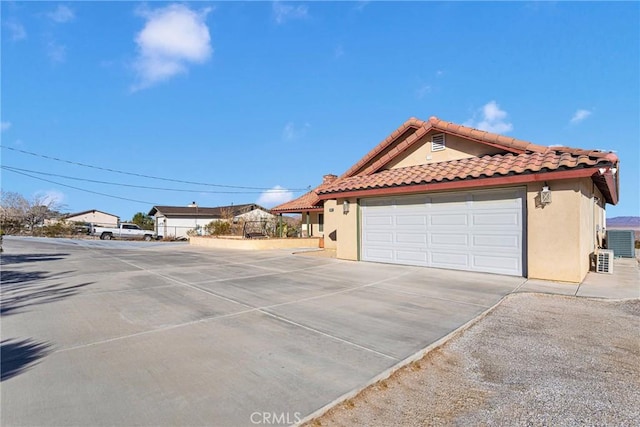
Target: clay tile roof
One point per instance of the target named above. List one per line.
(307, 201)
(412, 123)
(474, 167)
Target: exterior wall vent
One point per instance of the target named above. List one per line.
(437, 142)
(604, 261)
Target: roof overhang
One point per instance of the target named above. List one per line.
(297, 210)
(594, 173)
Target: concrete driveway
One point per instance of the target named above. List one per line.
(150, 333)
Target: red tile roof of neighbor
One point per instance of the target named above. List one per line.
(523, 158)
(306, 202)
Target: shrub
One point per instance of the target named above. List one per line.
(218, 228)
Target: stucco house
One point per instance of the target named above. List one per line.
(93, 216)
(438, 194)
(176, 221)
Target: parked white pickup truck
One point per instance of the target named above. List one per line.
(124, 231)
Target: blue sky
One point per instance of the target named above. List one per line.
(272, 95)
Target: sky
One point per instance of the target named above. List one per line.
(120, 106)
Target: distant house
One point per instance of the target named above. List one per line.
(93, 216)
(176, 221)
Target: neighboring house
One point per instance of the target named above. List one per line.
(438, 194)
(176, 221)
(95, 217)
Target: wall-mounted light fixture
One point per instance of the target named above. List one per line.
(545, 195)
(345, 207)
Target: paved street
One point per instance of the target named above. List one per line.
(152, 333)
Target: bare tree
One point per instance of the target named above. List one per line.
(13, 208)
(18, 213)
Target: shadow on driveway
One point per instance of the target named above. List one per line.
(20, 288)
(17, 356)
(22, 258)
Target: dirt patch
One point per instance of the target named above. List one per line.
(534, 360)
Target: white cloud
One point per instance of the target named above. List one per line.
(423, 90)
(338, 52)
(56, 51)
(360, 5)
(291, 132)
(493, 119)
(5, 126)
(579, 116)
(172, 38)
(284, 12)
(274, 197)
(16, 30)
(50, 197)
(61, 15)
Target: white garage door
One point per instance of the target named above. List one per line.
(475, 231)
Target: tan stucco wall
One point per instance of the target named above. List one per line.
(455, 148)
(561, 235)
(332, 213)
(347, 226)
(253, 244)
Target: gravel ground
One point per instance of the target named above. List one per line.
(535, 360)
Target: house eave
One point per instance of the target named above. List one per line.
(467, 184)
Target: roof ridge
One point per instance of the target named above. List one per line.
(385, 143)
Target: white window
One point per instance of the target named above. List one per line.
(437, 142)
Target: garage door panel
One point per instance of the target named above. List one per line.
(448, 201)
(411, 256)
(449, 239)
(416, 238)
(477, 231)
(496, 241)
(380, 237)
(374, 220)
(493, 264)
(379, 254)
(499, 219)
(410, 220)
(449, 219)
(450, 259)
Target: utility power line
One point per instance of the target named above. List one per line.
(82, 189)
(14, 169)
(142, 175)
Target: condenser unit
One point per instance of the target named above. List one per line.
(622, 243)
(604, 261)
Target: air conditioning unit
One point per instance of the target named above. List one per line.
(604, 261)
(622, 242)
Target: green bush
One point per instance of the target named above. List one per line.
(218, 228)
(637, 244)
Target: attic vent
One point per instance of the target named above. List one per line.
(437, 142)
